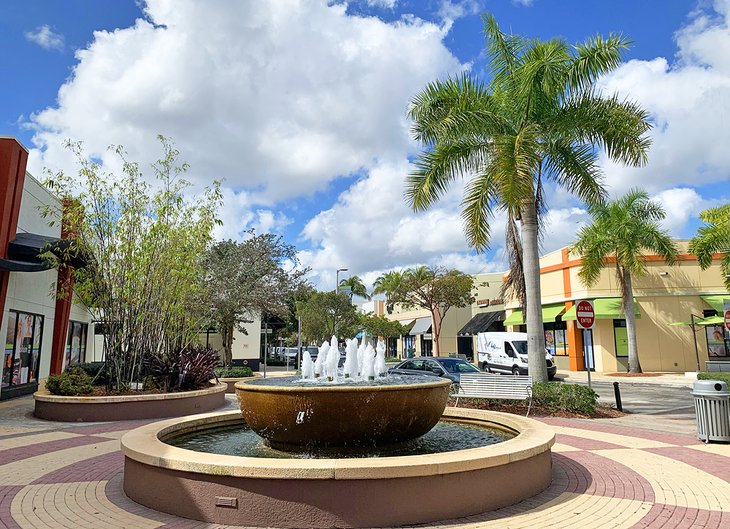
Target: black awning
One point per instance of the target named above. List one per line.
(28, 247)
(481, 323)
(9, 265)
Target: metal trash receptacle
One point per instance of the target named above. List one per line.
(712, 409)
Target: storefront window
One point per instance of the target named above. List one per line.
(718, 341)
(620, 338)
(76, 343)
(23, 339)
(555, 341)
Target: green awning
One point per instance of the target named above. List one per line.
(716, 301)
(711, 320)
(516, 318)
(605, 309)
(549, 313)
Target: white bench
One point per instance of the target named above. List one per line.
(488, 386)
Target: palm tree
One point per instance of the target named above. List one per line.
(389, 284)
(623, 231)
(355, 286)
(539, 120)
(714, 238)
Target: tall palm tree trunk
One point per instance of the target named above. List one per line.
(628, 303)
(531, 262)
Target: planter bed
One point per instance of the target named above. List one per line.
(128, 407)
(231, 382)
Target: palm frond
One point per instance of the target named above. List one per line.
(594, 58)
(575, 168)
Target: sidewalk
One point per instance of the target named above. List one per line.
(663, 379)
(70, 475)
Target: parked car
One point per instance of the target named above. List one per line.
(506, 352)
(450, 368)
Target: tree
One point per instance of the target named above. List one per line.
(622, 232)
(325, 314)
(389, 282)
(714, 238)
(143, 244)
(435, 289)
(539, 120)
(244, 280)
(356, 287)
(380, 326)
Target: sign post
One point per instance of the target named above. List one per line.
(585, 317)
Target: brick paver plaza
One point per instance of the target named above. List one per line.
(68, 475)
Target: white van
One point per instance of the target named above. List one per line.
(506, 352)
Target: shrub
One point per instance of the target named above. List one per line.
(558, 397)
(186, 369)
(234, 372)
(73, 381)
(392, 360)
(96, 370)
(714, 375)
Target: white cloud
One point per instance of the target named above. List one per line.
(282, 98)
(45, 37)
(560, 226)
(689, 100)
(680, 205)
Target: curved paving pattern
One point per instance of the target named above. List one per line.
(60, 475)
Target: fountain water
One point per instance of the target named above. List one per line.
(344, 417)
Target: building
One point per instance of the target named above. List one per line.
(460, 325)
(667, 298)
(45, 329)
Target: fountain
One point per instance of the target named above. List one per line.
(323, 449)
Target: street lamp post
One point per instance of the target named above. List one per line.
(337, 276)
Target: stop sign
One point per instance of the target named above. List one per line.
(584, 314)
(727, 319)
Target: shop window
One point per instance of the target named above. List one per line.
(555, 338)
(718, 341)
(76, 343)
(22, 357)
(620, 338)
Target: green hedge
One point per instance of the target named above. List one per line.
(96, 370)
(74, 381)
(557, 396)
(714, 375)
(233, 372)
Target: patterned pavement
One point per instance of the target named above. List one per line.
(604, 475)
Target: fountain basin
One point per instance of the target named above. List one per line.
(297, 416)
(323, 493)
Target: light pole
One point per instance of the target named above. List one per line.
(337, 276)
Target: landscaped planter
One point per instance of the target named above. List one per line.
(231, 382)
(128, 407)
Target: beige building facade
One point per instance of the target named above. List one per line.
(677, 326)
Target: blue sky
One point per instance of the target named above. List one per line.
(300, 107)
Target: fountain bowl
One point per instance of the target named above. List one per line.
(336, 492)
(304, 416)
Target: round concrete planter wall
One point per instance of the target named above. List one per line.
(231, 382)
(324, 493)
(128, 407)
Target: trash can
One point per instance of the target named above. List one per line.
(712, 408)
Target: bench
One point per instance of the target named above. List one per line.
(487, 386)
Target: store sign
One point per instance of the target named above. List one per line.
(585, 315)
(488, 302)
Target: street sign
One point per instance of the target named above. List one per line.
(584, 314)
(726, 308)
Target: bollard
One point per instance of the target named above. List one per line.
(617, 394)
